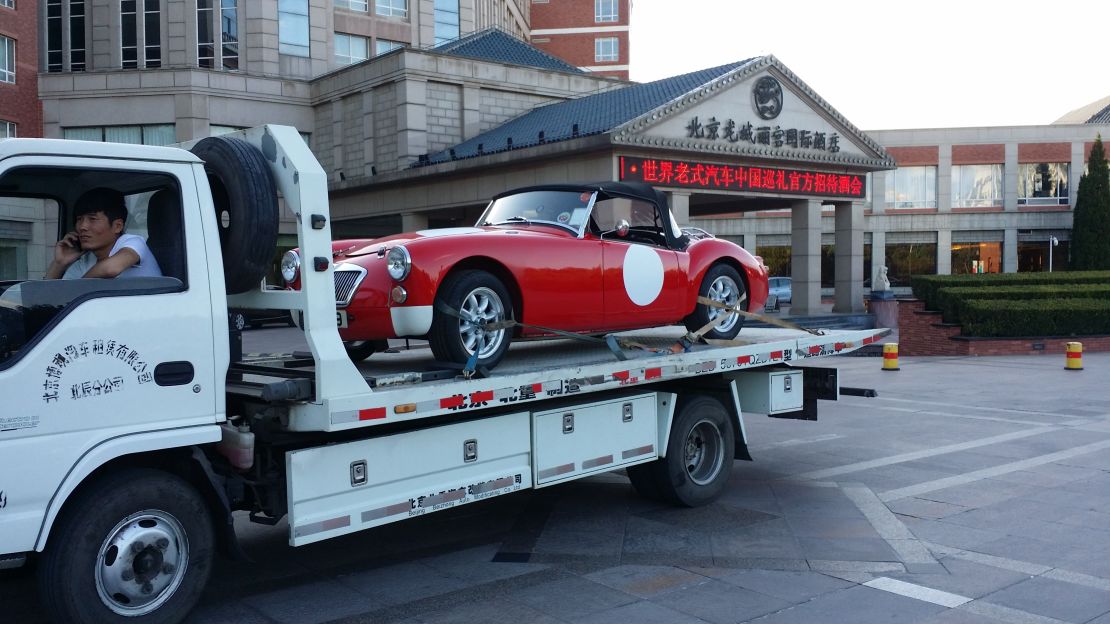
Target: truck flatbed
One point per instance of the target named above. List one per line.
(530, 371)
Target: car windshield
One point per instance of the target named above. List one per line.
(568, 209)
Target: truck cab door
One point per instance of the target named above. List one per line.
(85, 361)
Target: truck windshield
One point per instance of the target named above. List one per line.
(566, 209)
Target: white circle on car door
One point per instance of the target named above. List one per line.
(643, 274)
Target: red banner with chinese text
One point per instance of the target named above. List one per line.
(691, 174)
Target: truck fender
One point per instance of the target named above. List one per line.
(114, 448)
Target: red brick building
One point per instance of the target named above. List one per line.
(591, 34)
(20, 110)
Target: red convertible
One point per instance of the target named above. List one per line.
(581, 258)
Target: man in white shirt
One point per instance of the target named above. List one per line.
(98, 246)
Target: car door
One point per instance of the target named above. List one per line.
(641, 276)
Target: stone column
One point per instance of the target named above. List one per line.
(1009, 178)
(805, 250)
(1009, 251)
(471, 112)
(413, 221)
(680, 206)
(944, 251)
(849, 257)
(878, 252)
(944, 178)
(878, 192)
(412, 121)
(1075, 171)
(749, 243)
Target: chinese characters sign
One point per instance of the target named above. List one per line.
(774, 136)
(100, 349)
(690, 174)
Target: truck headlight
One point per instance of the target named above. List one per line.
(290, 265)
(398, 263)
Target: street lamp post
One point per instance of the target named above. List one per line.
(1052, 242)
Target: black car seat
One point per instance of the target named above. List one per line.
(166, 233)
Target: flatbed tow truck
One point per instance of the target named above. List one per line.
(130, 431)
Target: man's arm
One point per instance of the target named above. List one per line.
(113, 265)
(66, 252)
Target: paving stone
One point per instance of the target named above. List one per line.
(787, 585)
(571, 598)
(1055, 599)
(772, 539)
(642, 612)
(650, 538)
(720, 603)
(711, 518)
(923, 508)
(476, 565)
(1032, 551)
(948, 534)
(965, 578)
(578, 543)
(313, 602)
(223, 612)
(488, 612)
(831, 528)
(858, 605)
(848, 549)
(959, 616)
(645, 581)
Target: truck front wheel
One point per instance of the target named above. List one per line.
(699, 456)
(135, 546)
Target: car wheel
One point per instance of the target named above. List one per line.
(139, 546)
(699, 456)
(238, 321)
(723, 284)
(479, 298)
(359, 350)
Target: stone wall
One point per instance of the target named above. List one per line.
(444, 116)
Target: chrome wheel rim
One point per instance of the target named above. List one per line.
(702, 453)
(481, 307)
(725, 290)
(142, 563)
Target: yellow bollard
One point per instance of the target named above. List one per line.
(1074, 356)
(890, 356)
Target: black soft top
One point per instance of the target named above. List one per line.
(631, 190)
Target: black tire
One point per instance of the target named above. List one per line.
(449, 335)
(359, 350)
(245, 196)
(151, 518)
(734, 291)
(238, 321)
(700, 453)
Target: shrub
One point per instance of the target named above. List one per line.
(925, 287)
(952, 301)
(1045, 317)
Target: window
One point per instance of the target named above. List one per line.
(129, 28)
(1032, 256)
(229, 34)
(983, 257)
(354, 5)
(7, 59)
(351, 49)
(7, 129)
(7, 3)
(606, 49)
(54, 35)
(77, 35)
(644, 224)
(152, 33)
(152, 134)
(293, 27)
(975, 186)
(446, 20)
(605, 10)
(912, 187)
(381, 46)
(910, 253)
(392, 8)
(206, 45)
(1043, 184)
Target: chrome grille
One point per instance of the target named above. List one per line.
(346, 282)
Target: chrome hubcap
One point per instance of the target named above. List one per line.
(481, 307)
(703, 453)
(142, 563)
(725, 290)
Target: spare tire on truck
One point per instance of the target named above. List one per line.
(245, 196)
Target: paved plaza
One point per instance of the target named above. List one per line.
(969, 490)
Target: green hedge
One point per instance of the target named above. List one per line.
(925, 287)
(1048, 317)
(952, 301)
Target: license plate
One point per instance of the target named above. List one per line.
(341, 318)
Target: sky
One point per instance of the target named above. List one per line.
(895, 63)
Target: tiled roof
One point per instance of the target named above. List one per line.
(496, 45)
(594, 114)
(1101, 117)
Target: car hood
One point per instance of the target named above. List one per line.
(356, 248)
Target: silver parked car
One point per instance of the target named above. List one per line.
(780, 288)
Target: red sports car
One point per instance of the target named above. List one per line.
(582, 258)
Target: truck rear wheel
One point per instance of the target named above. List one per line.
(135, 546)
(245, 196)
(699, 456)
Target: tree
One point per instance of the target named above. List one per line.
(1090, 233)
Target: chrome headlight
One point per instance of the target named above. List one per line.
(290, 265)
(398, 263)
